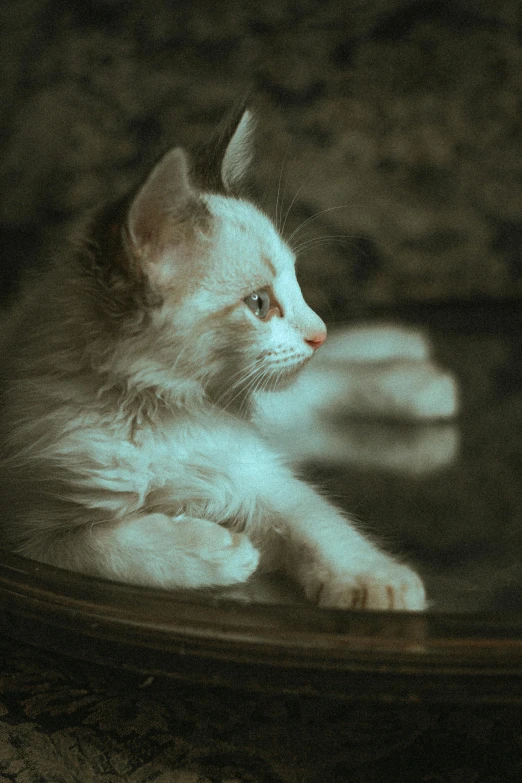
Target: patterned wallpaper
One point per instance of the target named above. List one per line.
(393, 127)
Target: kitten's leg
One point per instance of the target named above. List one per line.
(157, 551)
(335, 564)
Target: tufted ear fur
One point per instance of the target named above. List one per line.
(221, 167)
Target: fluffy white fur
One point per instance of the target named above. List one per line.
(128, 370)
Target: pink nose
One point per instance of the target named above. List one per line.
(316, 340)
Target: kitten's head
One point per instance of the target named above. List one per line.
(225, 316)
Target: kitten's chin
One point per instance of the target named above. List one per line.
(282, 379)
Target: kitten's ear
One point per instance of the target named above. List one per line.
(239, 152)
(222, 166)
(165, 194)
(164, 221)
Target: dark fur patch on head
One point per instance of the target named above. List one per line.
(121, 287)
(206, 170)
(195, 215)
(106, 233)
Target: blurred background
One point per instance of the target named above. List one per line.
(396, 123)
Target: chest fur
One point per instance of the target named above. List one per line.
(208, 469)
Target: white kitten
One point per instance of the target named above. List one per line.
(128, 370)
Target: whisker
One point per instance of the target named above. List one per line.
(239, 388)
(274, 379)
(277, 379)
(314, 217)
(243, 373)
(269, 382)
(305, 182)
(279, 206)
(247, 376)
(251, 389)
(321, 241)
(290, 207)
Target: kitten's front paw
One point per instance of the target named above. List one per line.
(387, 586)
(219, 557)
(180, 552)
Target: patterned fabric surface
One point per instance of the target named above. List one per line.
(71, 722)
(396, 122)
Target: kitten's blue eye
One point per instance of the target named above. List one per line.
(259, 303)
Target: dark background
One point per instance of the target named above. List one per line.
(401, 118)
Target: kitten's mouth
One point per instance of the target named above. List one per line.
(283, 374)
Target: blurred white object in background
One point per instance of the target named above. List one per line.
(373, 396)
